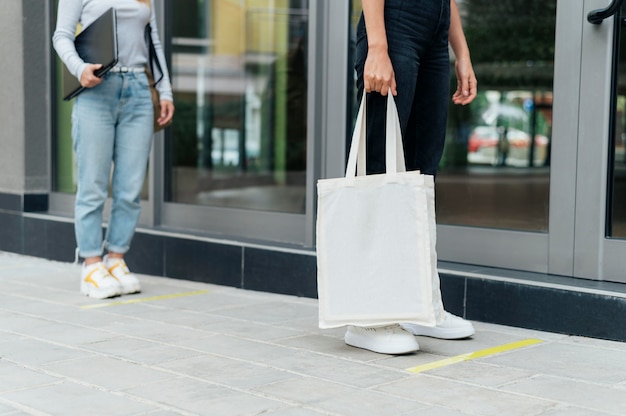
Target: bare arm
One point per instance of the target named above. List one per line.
(466, 79)
(378, 74)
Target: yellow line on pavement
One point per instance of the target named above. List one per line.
(473, 355)
(149, 299)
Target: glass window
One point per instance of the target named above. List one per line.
(495, 168)
(63, 164)
(239, 72)
(492, 174)
(617, 188)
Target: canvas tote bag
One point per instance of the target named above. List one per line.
(373, 239)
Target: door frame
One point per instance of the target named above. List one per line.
(596, 255)
(576, 244)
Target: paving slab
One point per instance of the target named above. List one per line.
(188, 348)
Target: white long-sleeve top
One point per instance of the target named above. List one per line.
(132, 17)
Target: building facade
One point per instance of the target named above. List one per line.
(531, 192)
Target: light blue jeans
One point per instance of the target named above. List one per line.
(112, 125)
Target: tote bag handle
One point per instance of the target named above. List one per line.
(394, 151)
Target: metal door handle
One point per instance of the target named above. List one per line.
(597, 16)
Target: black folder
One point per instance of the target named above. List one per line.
(96, 44)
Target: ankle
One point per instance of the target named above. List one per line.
(92, 260)
(114, 255)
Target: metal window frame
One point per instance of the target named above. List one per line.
(298, 229)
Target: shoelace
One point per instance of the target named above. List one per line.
(98, 275)
(389, 328)
(121, 264)
(101, 272)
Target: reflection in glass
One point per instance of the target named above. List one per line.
(63, 164)
(617, 189)
(239, 76)
(495, 168)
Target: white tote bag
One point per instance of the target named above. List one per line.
(373, 239)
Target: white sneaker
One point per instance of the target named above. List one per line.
(119, 270)
(390, 339)
(97, 282)
(452, 327)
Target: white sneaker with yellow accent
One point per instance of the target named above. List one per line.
(119, 270)
(97, 282)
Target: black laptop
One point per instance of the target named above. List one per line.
(96, 44)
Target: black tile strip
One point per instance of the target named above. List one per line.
(547, 309)
(35, 203)
(280, 272)
(10, 202)
(147, 254)
(203, 261)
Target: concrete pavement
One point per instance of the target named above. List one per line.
(189, 348)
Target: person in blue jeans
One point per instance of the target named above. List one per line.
(112, 127)
(402, 47)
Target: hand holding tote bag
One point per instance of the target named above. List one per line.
(373, 239)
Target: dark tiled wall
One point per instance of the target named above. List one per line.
(24, 203)
(148, 254)
(53, 240)
(453, 294)
(203, 261)
(11, 232)
(547, 309)
(229, 265)
(280, 272)
(10, 202)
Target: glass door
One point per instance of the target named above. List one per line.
(601, 195)
(532, 174)
(557, 205)
(495, 172)
(493, 187)
(241, 93)
(238, 161)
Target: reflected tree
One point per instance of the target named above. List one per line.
(512, 48)
(512, 41)
(493, 24)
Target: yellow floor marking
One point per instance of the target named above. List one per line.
(473, 355)
(149, 299)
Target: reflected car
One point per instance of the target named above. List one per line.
(485, 147)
